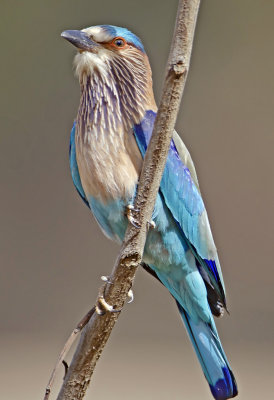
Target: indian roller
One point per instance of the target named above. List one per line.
(107, 144)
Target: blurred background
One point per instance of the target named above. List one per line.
(52, 251)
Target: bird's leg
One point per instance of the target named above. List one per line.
(102, 306)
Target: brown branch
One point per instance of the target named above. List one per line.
(65, 350)
(97, 331)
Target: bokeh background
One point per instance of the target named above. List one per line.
(52, 251)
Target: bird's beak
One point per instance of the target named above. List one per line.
(81, 40)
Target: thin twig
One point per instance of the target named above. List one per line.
(97, 331)
(65, 350)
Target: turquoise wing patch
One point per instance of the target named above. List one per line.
(74, 167)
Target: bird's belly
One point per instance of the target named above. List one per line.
(109, 169)
(107, 178)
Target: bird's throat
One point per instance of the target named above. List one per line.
(108, 158)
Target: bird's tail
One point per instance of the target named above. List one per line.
(210, 353)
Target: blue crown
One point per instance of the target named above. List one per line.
(124, 33)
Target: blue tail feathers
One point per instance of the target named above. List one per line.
(210, 353)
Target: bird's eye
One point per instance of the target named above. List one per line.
(119, 42)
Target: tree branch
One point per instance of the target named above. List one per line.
(97, 331)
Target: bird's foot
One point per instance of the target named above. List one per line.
(130, 211)
(102, 306)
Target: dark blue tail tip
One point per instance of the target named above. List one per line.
(222, 390)
(225, 388)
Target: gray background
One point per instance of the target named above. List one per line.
(52, 251)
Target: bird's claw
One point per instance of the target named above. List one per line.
(130, 217)
(101, 306)
(133, 221)
(130, 295)
(105, 278)
(151, 224)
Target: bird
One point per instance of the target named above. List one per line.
(108, 142)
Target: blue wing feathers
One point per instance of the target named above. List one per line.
(74, 167)
(212, 265)
(182, 197)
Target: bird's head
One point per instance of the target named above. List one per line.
(114, 57)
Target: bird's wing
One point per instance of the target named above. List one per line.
(74, 167)
(185, 157)
(180, 189)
